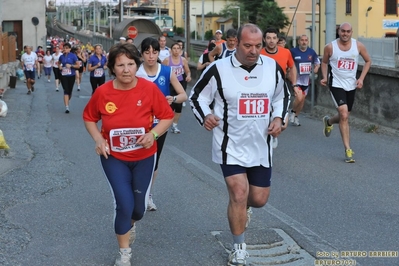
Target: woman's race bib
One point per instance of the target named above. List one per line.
(98, 72)
(125, 139)
(66, 71)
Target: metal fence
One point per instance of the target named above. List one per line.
(383, 51)
(84, 38)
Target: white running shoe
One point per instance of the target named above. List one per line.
(249, 213)
(296, 121)
(184, 104)
(292, 117)
(238, 255)
(132, 234)
(78, 87)
(175, 130)
(151, 205)
(48, 81)
(123, 259)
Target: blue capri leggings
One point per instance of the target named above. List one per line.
(130, 183)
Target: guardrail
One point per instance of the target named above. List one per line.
(383, 51)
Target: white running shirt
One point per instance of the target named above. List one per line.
(56, 59)
(244, 102)
(343, 66)
(29, 61)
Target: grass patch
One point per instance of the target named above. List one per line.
(372, 128)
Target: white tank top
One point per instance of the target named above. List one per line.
(343, 66)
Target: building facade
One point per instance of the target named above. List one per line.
(19, 18)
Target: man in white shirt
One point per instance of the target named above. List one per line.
(250, 105)
(28, 64)
(165, 51)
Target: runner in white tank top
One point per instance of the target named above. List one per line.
(341, 57)
(343, 66)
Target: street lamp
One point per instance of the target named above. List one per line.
(239, 22)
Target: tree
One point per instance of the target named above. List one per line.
(264, 13)
(231, 11)
(272, 16)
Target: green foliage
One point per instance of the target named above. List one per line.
(179, 31)
(272, 16)
(208, 35)
(231, 11)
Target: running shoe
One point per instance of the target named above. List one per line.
(184, 104)
(132, 234)
(56, 89)
(48, 81)
(33, 88)
(327, 129)
(123, 259)
(238, 255)
(175, 130)
(67, 110)
(249, 213)
(292, 117)
(349, 156)
(29, 92)
(296, 121)
(151, 205)
(78, 87)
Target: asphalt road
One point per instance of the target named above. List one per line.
(56, 207)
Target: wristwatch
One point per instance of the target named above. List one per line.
(174, 98)
(296, 85)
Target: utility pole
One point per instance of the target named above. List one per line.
(312, 33)
(94, 17)
(188, 35)
(203, 21)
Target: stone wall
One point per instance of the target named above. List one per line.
(376, 102)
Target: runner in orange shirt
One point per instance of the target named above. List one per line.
(283, 58)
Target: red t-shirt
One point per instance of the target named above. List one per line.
(126, 115)
(282, 56)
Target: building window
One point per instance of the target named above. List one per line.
(391, 7)
(348, 7)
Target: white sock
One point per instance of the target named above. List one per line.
(125, 250)
(174, 124)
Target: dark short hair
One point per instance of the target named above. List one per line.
(270, 30)
(67, 44)
(231, 33)
(173, 45)
(149, 42)
(128, 38)
(180, 41)
(282, 38)
(127, 49)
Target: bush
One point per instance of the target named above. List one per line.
(208, 35)
(179, 31)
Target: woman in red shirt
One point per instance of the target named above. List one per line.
(126, 143)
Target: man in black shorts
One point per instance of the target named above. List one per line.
(341, 56)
